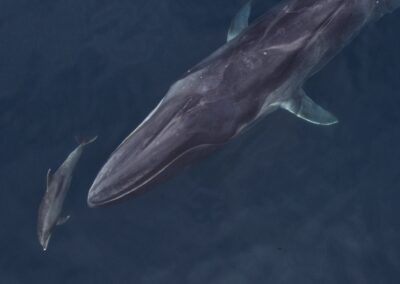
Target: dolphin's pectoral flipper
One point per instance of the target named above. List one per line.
(49, 176)
(240, 21)
(305, 108)
(63, 220)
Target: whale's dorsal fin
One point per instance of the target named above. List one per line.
(240, 21)
(49, 177)
(305, 108)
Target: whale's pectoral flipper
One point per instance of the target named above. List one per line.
(63, 220)
(240, 21)
(305, 108)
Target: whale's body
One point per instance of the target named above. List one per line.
(263, 68)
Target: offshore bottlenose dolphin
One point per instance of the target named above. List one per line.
(260, 69)
(58, 184)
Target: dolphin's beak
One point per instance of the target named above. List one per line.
(45, 242)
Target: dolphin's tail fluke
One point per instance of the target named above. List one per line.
(85, 141)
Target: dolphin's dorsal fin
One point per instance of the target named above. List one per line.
(49, 177)
(305, 108)
(63, 220)
(240, 21)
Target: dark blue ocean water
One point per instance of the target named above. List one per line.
(288, 202)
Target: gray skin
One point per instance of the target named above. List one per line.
(261, 70)
(58, 184)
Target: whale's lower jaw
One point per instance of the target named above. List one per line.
(100, 195)
(105, 196)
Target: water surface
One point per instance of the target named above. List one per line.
(289, 202)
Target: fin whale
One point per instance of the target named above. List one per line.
(261, 68)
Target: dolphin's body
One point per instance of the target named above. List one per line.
(58, 184)
(262, 69)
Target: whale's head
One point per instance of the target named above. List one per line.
(180, 129)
